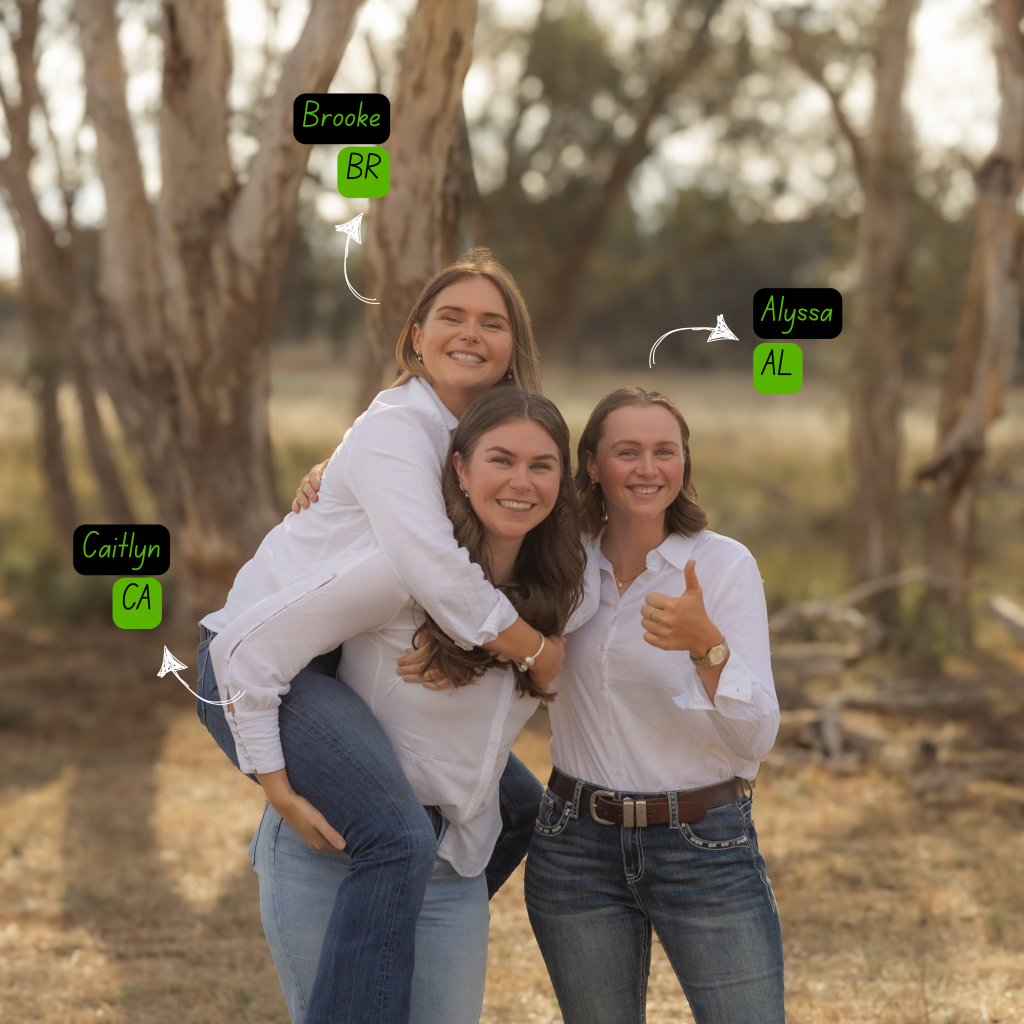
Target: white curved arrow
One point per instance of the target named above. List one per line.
(351, 228)
(720, 330)
(171, 664)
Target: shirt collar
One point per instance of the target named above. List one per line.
(426, 391)
(675, 550)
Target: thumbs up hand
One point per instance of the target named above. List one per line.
(680, 623)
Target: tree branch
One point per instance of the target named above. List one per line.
(810, 67)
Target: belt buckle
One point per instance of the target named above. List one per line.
(593, 805)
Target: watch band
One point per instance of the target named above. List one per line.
(707, 661)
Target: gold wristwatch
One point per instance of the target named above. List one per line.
(714, 657)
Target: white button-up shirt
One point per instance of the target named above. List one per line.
(382, 486)
(632, 717)
(452, 744)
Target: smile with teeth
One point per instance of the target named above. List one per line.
(645, 490)
(465, 357)
(515, 506)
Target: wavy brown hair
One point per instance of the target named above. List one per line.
(684, 516)
(476, 263)
(547, 583)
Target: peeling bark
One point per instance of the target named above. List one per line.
(980, 366)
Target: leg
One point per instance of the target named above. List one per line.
(297, 890)
(713, 909)
(340, 760)
(451, 949)
(595, 940)
(298, 887)
(519, 796)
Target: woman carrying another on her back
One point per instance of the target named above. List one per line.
(509, 492)
(665, 706)
(331, 772)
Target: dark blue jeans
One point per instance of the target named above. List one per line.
(595, 892)
(340, 760)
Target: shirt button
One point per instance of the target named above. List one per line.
(600, 647)
(618, 772)
(600, 686)
(646, 577)
(608, 731)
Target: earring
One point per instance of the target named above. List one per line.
(593, 481)
(508, 373)
(464, 491)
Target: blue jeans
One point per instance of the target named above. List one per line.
(298, 887)
(340, 760)
(595, 892)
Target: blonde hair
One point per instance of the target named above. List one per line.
(477, 262)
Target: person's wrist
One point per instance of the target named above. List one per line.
(708, 639)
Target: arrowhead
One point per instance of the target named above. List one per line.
(721, 330)
(170, 664)
(351, 228)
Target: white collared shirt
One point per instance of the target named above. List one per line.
(452, 744)
(632, 717)
(382, 485)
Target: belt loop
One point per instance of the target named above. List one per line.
(576, 799)
(673, 811)
(750, 786)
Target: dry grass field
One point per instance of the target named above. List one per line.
(125, 889)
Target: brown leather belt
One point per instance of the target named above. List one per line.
(692, 805)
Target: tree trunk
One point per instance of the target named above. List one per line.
(876, 386)
(189, 288)
(979, 369)
(883, 251)
(405, 229)
(460, 200)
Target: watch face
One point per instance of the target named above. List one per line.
(717, 654)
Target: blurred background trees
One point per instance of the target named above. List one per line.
(638, 165)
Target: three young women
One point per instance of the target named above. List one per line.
(508, 489)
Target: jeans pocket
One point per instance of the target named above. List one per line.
(721, 828)
(553, 815)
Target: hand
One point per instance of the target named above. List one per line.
(680, 623)
(306, 491)
(549, 664)
(410, 668)
(299, 812)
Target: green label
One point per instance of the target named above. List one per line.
(364, 172)
(137, 603)
(778, 368)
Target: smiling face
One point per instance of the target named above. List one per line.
(512, 477)
(465, 341)
(639, 461)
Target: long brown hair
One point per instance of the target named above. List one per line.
(547, 581)
(476, 263)
(684, 516)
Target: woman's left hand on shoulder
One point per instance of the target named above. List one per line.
(680, 623)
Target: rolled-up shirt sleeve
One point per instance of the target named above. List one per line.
(394, 474)
(747, 718)
(258, 653)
